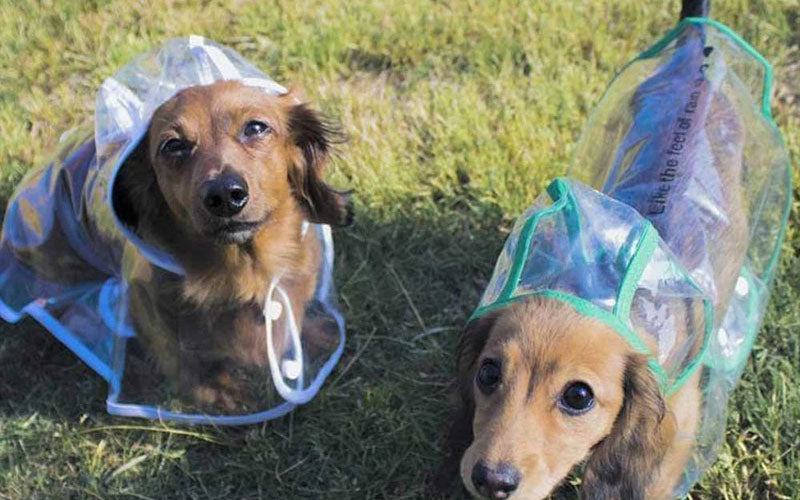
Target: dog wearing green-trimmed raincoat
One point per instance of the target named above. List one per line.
(625, 301)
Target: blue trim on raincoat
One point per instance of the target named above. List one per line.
(65, 211)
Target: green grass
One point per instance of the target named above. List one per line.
(458, 113)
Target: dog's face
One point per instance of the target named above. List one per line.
(221, 156)
(545, 389)
(227, 158)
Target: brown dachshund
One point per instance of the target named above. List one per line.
(543, 389)
(223, 180)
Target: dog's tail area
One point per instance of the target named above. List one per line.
(695, 8)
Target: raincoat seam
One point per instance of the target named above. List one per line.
(641, 257)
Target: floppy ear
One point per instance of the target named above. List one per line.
(624, 463)
(136, 198)
(314, 137)
(460, 435)
(132, 186)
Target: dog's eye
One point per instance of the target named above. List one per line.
(576, 399)
(255, 128)
(175, 148)
(488, 377)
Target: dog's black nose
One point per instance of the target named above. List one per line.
(495, 482)
(225, 196)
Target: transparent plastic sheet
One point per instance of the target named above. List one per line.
(65, 260)
(671, 221)
(603, 257)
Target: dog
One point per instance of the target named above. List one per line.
(543, 389)
(226, 180)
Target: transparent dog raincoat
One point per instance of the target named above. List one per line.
(670, 223)
(61, 258)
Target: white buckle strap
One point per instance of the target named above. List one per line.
(291, 368)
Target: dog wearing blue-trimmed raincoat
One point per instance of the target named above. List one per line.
(97, 250)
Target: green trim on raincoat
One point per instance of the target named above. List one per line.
(561, 194)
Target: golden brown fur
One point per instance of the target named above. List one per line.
(201, 326)
(634, 443)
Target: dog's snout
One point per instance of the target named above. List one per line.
(495, 482)
(226, 195)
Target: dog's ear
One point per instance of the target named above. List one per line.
(133, 186)
(624, 463)
(315, 137)
(460, 435)
(469, 349)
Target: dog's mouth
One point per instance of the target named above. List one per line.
(236, 232)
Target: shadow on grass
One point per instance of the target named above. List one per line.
(39, 375)
(407, 280)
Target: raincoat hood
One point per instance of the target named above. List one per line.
(127, 101)
(679, 172)
(62, 217)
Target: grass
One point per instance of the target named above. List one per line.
(458, 114)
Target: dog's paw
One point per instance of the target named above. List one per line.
(223, 392)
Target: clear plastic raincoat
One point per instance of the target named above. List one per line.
(670, 222)
(62, 245)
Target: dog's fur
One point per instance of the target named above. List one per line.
(635, 442)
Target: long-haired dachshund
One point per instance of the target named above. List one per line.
(223, 180)
(543, 389)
